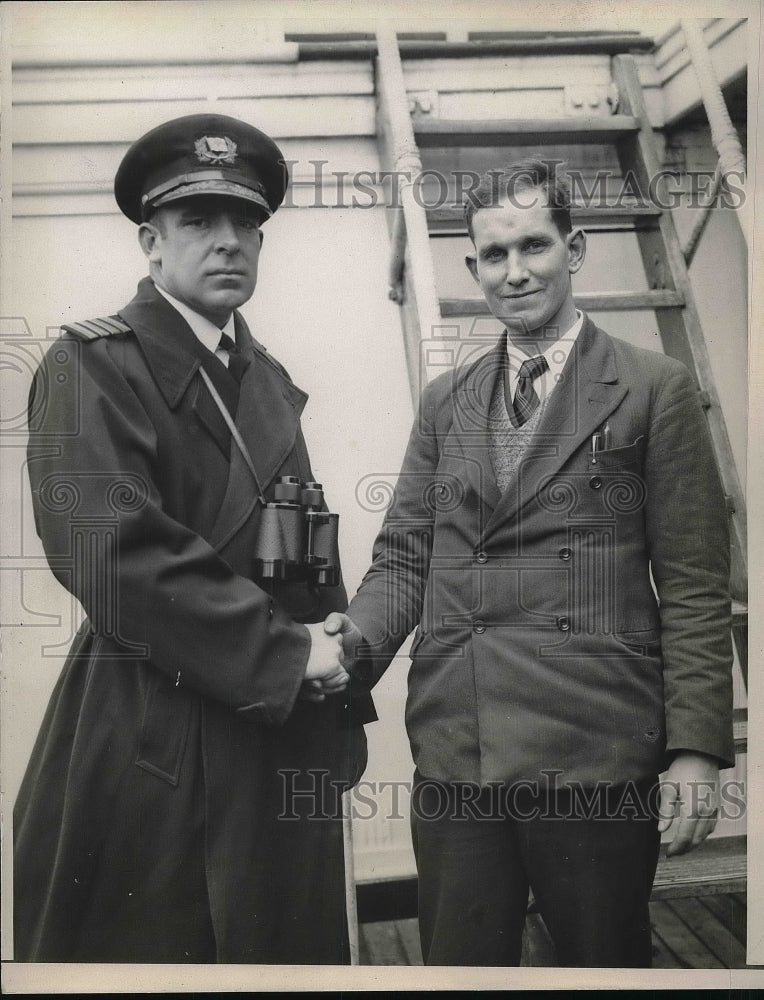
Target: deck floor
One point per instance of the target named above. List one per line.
(693, 933)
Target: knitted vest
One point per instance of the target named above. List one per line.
(508, 443)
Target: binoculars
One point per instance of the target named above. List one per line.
(297, 539)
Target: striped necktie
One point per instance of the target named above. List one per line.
(526, 401)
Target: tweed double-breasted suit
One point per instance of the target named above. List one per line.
(154, 822)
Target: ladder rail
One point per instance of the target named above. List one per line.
(681, 333)
(419, 293)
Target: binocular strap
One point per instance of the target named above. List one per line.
(239, 440)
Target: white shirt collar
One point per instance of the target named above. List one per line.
(205, 330)
(556, 356)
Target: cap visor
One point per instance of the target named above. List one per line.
(227, 189)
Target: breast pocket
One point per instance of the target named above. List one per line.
(630, 455)
(615, 479)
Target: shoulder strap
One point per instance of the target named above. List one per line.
(92, 329)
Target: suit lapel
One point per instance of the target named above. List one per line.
(470, 439)
(586, 395)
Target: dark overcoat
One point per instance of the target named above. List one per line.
(543, 652)
(158, 819)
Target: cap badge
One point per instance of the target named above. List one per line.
(215, 149)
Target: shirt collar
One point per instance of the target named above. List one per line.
(204, 329)
(556, 355)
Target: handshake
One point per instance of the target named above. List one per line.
(333, 646)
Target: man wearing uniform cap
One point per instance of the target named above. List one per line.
(182, 801)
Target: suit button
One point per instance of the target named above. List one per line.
(563, 623)
(478, 626)
(595, 482)
(481, 557)
(565, 554)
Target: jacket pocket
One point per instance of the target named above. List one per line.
(164, 732)
(619, 458)
(647, 641)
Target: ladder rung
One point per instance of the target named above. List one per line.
(591, 302)
(449, 220)
(528, 132)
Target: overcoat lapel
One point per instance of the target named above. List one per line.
(167, 341)
(267, 418)
(209, 415)
(269, 404)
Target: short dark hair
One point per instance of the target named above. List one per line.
(501, 184)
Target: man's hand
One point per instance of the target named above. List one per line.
(324, 672)
(339, 624)
(690, 789)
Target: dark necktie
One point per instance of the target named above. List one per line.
(526, 401)
(237, 364)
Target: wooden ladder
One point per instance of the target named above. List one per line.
(719, 865)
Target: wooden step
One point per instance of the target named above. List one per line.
(740, 729)
(449, 221)
(717, 866)
(663, 298)
(430, 132)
